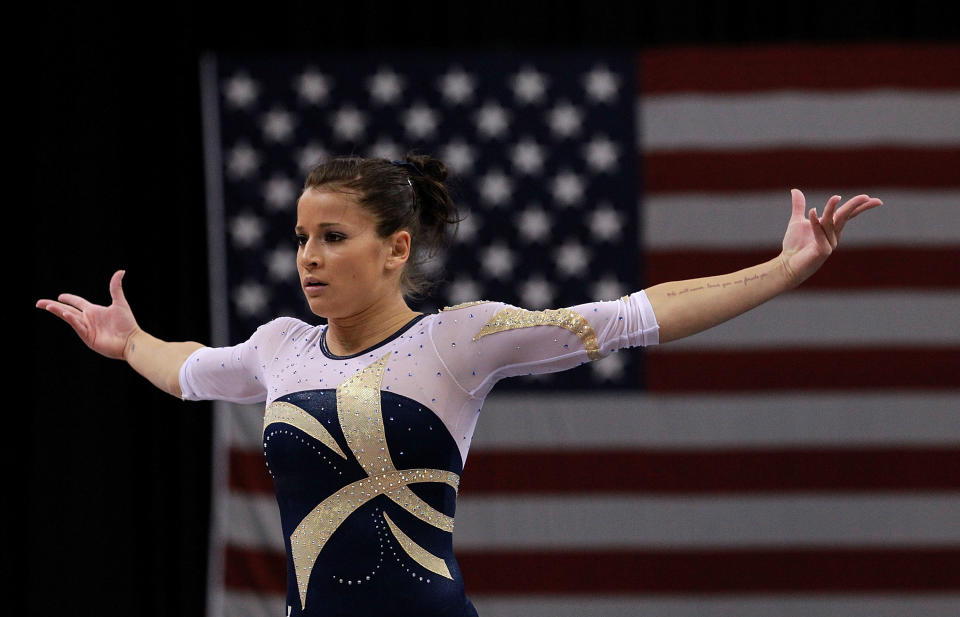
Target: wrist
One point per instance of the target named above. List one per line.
(130, 343)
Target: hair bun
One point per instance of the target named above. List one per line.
(429, 166)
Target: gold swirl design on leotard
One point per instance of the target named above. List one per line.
(288, 413)
(416, 552)
(513, 318)
(361, 419)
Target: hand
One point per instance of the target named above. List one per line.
(810, 239)
(104, 329)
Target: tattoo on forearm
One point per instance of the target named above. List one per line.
(740, 281)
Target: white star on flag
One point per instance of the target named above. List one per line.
(606, 223)
(282, 263)
(246, 230)
(601, 154)
(497, 260)
(565, 120)
(492, 120)
(572, 258)
(464, 289)
(527, 156)
(349, 123)
(468, 226)
(567, 188)
(495, 187)
(601, 85)
(457, 86)
(386, 148)
(385, 86)
(537, 292)
(280, 193)
(250, 299)
(277, 125)
(458, 156)
(420, 121)
(607, 288)
(609, 368)
(242, 161)
(529, 86)
(534, 224)
(310, 156)
(313, 87)
(241, 91)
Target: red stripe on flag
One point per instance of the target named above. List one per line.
(805, 168)
(691, 472)
(712, 571)
(663, 571)
(803, 369)
(718, 69)
(849, 268)
(248, 474)
(248, 569)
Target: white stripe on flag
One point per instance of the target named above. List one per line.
(796, 119)
(838, 319)
(577, 420)
(750, 220)
(613, 521)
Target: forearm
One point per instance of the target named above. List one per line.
(687, 307)
(159, 361)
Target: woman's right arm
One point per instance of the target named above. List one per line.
(113, 332)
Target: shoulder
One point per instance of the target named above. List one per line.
(280, 329)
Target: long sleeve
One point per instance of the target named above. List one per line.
(484, 342)
(235, 373)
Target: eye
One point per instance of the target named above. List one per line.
(333, 236)
(300, 239)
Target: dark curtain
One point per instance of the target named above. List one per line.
(116, 473)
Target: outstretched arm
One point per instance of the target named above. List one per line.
(687, 307)
(113, 332)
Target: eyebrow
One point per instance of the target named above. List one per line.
(319, 225)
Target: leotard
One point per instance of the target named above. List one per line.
(366, 451)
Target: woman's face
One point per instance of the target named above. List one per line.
(345, 267)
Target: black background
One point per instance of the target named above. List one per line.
(115, 473)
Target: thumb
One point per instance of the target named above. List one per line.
(799, 204)
(116, 287)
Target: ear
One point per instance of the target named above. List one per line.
(399, 250)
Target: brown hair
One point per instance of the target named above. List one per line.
(409, 194)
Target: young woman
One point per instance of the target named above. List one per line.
(369, 418)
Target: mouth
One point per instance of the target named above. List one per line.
(312, 286)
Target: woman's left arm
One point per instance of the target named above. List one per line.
(687, 307)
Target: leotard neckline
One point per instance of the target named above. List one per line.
(326, 350)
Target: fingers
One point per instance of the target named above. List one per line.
(69, 314)
(853, 207)
(116, 287)
(827, 221)
(74, 301)
(799, 204)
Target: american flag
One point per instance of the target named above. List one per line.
(803, 459)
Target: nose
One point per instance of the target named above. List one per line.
(310, 254)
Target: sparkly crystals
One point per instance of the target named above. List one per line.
(417, 553)
(513, 318)
(464, 305)
(297, 417)
(361, 420)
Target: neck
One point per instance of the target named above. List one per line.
(349, 335)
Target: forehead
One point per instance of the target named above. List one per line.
(318, 207)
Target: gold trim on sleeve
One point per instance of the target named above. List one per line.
(513, 318)
(465, 305)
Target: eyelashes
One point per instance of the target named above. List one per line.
(331, 237)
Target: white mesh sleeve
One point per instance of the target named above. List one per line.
(483, 343)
